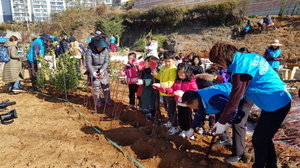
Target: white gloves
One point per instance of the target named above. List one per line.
(96, 75)
(140, 82)
(179, 93)
(190, 133)
(221, 128)
(135, 80)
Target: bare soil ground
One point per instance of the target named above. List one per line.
(50, 132)
(54, 133)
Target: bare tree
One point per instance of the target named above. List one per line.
(80, 4)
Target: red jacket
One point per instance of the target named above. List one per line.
(182, 85)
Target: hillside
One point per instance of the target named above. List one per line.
(197, 38)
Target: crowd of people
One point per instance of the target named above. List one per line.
(224, 93)
(190, 92)
(264, 22)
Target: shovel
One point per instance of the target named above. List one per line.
(210, 146)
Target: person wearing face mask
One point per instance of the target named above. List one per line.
(97, 61)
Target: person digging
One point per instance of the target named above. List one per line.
(212, 100)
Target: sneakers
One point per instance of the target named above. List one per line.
(173, 130)
(16, 90)
(192, 138)
(183, 134)
(233, 159)
(130, 106)
(168, 124)
(139, 109)
(201, 131)
(223, 142)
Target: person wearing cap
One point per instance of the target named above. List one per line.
(98, 33)
(37, 49)
(253, 77)
(151, 47)
(273, 54)
(212, 99)
(97, 62)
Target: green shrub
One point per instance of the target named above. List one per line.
(253, 16)
(111, 25)
(140, 44)
(65, 76)
(167, 15)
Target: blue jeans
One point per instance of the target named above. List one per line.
(15, 85)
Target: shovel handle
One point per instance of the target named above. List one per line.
(210, 145)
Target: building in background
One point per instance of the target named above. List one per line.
(5, 11)
(41, 10)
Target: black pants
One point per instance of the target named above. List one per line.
(32, 72)
(132, 90)
(184, 118)
(267, 126)
(170, 106)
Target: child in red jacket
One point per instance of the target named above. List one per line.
(185, 81)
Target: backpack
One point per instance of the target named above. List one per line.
(4, 56)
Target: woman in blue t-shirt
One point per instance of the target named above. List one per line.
(253, 77)
(273, 54)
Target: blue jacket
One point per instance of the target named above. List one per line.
(212, 100)
(37, 48)
(266, 89)
(207, 93)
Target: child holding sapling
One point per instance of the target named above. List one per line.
(167, 76)
(185, 81)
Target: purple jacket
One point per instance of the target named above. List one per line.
(225, 75)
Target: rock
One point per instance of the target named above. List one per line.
(203, 162)
(163, 148)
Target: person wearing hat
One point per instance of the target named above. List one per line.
(37, 48)
(98, 33)
(97, 61)
(273, 54)
(253, 77)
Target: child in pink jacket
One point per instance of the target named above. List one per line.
(132, 78)
(185, 81)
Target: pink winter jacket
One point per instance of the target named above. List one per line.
(182, 85)
(131, 73)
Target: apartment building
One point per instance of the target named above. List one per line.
(5, 10)
(40, 10)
